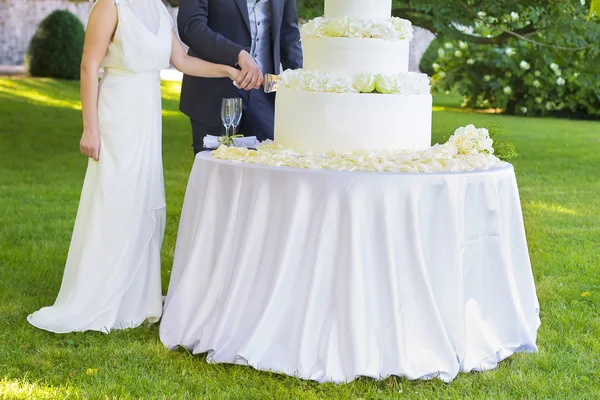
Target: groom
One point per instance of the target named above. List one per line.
(256, 36)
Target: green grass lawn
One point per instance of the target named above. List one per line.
(41, 174)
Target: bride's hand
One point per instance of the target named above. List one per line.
(90, 144)
(233, 73)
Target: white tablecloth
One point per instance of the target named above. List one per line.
(331, 275)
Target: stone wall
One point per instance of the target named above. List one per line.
(418, 45)
(19, 20)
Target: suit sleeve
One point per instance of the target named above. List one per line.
(192, 22)
(291, 48)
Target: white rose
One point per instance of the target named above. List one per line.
(314, 28)
(554, 66)
(403, 27)
(470, 61)
(291, 79)
(487, 78)
(487, 145)
(510, 51)
(356, 29)
(466, 146)
(524, 65)
(537, 83)
(549, 105)
(524, 110)
(463, 45)
(558, 72)
(459, 132)
(386, 31)
(448, 45)
(538, 100)
(441, 52)
(507, 90)
(365, 82)
(560, 81)
(514, 16)
(385, 84)
(435, 66)
(458, 53)
(337, 27)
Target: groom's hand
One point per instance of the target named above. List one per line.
(250, 77)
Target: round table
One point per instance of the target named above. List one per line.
(332, 275)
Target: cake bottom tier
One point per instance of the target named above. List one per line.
(324, 122)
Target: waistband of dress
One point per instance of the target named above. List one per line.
(154, 75)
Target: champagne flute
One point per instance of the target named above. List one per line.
(237, 113)
(227, 114)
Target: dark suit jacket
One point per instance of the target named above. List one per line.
(216, 31)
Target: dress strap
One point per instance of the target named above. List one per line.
(119, 2)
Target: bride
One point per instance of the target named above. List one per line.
(112, 276)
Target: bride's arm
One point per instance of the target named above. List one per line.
(197, 67)
(101, 27)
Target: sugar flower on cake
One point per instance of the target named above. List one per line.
(408, 83)
(392, 29)
(365, 82)
(337, 27)
(385, 84)
(315, 27)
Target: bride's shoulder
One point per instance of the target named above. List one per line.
(109, 3)
(103, 9)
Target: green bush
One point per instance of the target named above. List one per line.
(55, 49)
(519, 79)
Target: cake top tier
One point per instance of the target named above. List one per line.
(358, 9)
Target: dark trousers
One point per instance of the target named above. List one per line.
(257, 120)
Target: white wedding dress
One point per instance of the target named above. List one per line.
(112, 276)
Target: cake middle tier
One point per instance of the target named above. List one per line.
(353, 55)
(325, 122)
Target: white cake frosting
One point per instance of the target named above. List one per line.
(332, 104)
(355, 55)
(358, 9)
(324, 122)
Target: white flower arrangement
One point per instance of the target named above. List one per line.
(407, 83)
(468, 149)
(392, 29)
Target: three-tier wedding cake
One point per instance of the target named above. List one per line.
(355, 107)
(355, 91)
